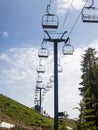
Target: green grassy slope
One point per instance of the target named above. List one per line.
(18, 114)
(15, 113)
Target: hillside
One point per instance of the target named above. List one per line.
(24, 117)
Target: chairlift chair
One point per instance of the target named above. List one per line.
(44, 92)
(40, 69)
(37, 87)
(90, 14)
(36, 91)
(36, 98)
(36, 101)
(60, 68)
(42, 98)
(50, 22)
(52, 79)
(68, 49)
(46, 89)
(49, 85)
(43, 52)
(36, 94)
(39, 79)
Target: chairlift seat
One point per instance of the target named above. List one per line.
(44, 92)
(90, 14)
(40, 69)
(90, 18)
(52, 79)
(50, 26)
(68, 49)
(49, 85)
(46, 89)
(43, 53)
(36, 95)
(50, 22)
(60, 68)
(36, 90)
(36, 98)
(39, 79)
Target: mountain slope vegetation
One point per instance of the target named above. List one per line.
(23, 117)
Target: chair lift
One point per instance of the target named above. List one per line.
(67, 48)
(49, 85)
(90, 14)
(44, 94)
(36, 101)
(39, 79)
(36, 91)
(60, 68)
(46, 89)
(36, 98)
(43, 52)
(37, 87)
(40, 68)
(36, 94)
(52, 79)
(50, 22)
(42, 98)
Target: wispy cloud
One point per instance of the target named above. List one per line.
(20, 63)
(5, 57)
(18, 33)
(65, 4)
(18, 77)
(5, 34)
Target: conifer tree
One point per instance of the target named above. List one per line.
(89, 91)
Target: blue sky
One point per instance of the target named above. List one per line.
(21, 20)
(20, 37)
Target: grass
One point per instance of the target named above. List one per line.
(25, 118)
(19, 114)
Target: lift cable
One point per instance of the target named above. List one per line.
(67, 15)
(76, 20)
(50, 2)
(48, 7)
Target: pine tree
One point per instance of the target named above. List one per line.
(89, 91)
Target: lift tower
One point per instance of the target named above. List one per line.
(55, 41)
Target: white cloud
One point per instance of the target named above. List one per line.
(5, 34)
(65, 4)
(5, 57)
(18, 34)
(20, 63)
(18, 76)
(78, 4)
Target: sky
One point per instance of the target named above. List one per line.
(21, 35)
